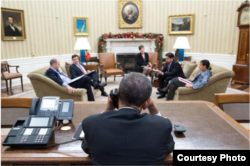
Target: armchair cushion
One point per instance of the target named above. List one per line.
(11, 75)
(188, 68)
(194, 73)
(67, 67)
(114, 71)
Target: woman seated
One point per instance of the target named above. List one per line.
(199, 81)
(142, 63)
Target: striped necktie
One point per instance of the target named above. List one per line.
(81, 69)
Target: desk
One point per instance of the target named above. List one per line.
(207, 128)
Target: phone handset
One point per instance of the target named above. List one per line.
(34, 105)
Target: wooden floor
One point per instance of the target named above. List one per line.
(16, 90)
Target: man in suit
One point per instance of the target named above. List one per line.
(63, 80)
(127, 136)
(78, 69)
(171, 70)
(11, 30)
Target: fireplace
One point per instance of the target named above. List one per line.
(127, 61)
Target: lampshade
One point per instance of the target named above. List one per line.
(181, 43)
(82, 44)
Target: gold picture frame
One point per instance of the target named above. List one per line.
(130, 13)
(79, 28)
(181, 24)
(13, 24)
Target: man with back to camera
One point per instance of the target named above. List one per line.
(78, 69)
(63, 80)
(125, 136)
(11, 30)
(171, 70)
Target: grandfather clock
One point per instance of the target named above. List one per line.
(241, 68)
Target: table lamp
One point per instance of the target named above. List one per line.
(181, 43)
(82, 44)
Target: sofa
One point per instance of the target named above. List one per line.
(217, 83)
(44, 86)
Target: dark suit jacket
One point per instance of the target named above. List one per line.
(126, 137)
(174, 71)
(54, 76)
(9, 31)
(140, 62)
(75, 71)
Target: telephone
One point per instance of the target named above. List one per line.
(52, 106)
(30, 131)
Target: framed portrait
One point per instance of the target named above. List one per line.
(130, 14)
(181, 24)
(13, 25)
(81, 26)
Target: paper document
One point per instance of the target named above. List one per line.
(75, 79)
(185, 81)
(90, 72)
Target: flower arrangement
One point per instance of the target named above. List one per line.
(87, 55)
(131, 35)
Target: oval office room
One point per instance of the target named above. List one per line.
(125, 82)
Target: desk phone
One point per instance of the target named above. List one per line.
(52, 106)
(32, 131)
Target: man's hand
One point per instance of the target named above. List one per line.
(88, 71)
(149, 64)
(188, 86)
(159, 72)
(70, 89)
(110, 105)
(151, 107)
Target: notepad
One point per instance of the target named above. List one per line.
(90, 72)
(75, 79)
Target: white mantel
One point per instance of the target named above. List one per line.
(129, 45)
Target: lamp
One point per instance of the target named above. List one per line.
(181, 43)
(82, 44)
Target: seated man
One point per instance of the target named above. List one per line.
(78, 69)
(171, 70)
(127, 136)
(63, 80)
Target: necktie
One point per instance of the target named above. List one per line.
(81, 69)
(169, 66)
(59, 72)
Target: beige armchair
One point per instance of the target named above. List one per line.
(44, 86)
(217, 83)
(108, 65)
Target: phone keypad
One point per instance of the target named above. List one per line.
(39, 139)
(24, 139)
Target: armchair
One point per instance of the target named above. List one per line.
(6, 75)
(108, 66)
(153, 59)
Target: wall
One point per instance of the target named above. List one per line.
(49, 25)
